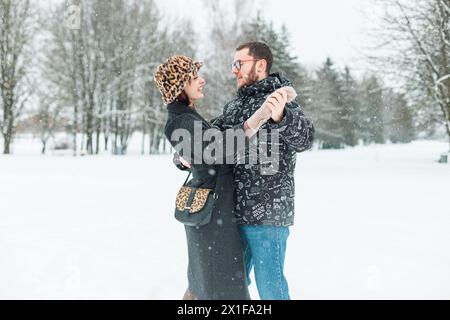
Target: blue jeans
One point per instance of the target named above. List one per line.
(264, 248)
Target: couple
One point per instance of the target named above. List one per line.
(250, 222)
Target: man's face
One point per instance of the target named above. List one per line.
(246, 75)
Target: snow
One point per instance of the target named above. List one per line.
(371, 223)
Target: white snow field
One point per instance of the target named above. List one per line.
(371, 223)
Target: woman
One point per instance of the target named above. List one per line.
(216, 267)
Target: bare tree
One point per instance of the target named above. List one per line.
(16, 31)
(178, 37)
(226, 23)
(97, 67)
(414, 37)
(48, 115)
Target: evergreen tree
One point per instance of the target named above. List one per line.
(372, 122)
(279, 42)
(399, 118)
(350, 115)
(284, 62)
(329, 107)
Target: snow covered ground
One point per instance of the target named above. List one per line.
(371, 223)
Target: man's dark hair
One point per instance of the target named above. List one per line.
(258, 50)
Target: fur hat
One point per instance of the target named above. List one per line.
(172, 76)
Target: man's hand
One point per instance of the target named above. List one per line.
(276, 102)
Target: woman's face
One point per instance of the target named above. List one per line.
(194, 89)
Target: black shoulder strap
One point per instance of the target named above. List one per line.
(215, 182)
(187, 178)
(217, 178)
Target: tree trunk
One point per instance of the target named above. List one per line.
(144, 127)
(44, 144)
(9, 122)
(97, 137)
(105, 139)
(89, 140)
(164, 145)
(97, 142)
(150, 138)
(6, 143)
(83, 131)
(74, 129)
(15, 33)
(90, 124)
(154, 139)
(159, 138)
(116, 134)
(448, 134)
(107, 124)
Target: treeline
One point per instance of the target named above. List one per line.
(86, 67)
(90, 65)
(99, 71)
(346, 111)
(350, 111)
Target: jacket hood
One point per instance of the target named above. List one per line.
(265, 86)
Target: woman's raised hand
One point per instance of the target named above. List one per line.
(184, 162)
(276, 102)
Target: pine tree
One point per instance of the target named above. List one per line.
(279, 42)
(284, 62)
(372, 125)
(399, 118)
(350, 115)
(329, 107)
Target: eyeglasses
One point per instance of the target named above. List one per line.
(238, 63)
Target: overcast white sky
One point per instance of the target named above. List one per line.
(319, 28)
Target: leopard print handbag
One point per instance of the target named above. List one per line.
(194, 206)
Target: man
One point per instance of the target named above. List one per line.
(265, 202)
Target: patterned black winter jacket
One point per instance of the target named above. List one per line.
(261, 198)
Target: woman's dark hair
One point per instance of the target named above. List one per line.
(183, 97)
(258, 50)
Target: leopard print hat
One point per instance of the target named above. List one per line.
(172, 76)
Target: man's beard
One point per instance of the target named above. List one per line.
(251, 78)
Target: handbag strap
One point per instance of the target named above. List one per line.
(215, 195)
(187, 178)
(215, 182)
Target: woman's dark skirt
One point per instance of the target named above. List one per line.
(216, 269)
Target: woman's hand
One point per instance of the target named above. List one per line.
(184, 162)
(276, 102)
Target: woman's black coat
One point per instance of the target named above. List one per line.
(216, 267)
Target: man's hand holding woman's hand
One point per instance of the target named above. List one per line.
(273, 107)
(277, 101)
